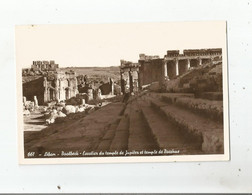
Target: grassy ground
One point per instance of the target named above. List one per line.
(97, 74)
(101, 73)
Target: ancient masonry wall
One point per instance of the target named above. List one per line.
(44, 65)
(107, 88)
(55, 85)
(152, 68)
(34, 88)
(150, 71)
(60, 86)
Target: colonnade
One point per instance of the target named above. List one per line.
(129, 71)
(175, 67)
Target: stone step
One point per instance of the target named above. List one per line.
(167, 135)
(140, 136)
(210, 131)
(120, 139)
(211, 95)
(212, 109)
(106, 141)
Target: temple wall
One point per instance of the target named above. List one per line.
(64, 88)
(171, 68)
(105, 89)
(150, 71)
(182, 66)
(155, 69)
(34, 88)
(44, 65)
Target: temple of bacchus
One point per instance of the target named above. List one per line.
(60, 86)
(150, 69)
(48, 83)
(51, 84)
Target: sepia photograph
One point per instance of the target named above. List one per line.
(133, 92)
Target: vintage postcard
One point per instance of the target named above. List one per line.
(135, 92)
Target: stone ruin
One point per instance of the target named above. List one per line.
(129, 76)
(60, 86)
(40, 68)
(56, 93)
(150, 69)
(57, 87)
(95, 89)
(44, 65)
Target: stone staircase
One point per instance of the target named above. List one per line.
(153, 121)
(149, 121)
(200, 123)
(128, 132)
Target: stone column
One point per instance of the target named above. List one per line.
(99, 95)
(57, 94)
(139, 81)
(112, 86)
(56, 90)
(48, 94)
(212, 59)
(130, 82)
(69, 92)
(45, 90)
(83, 102)
(177, 67)
(35, 101)
(163, 74)
(122, 83)
(54, 94)
(188, 64)
(165, 69)
(137, 84)
(76, 86)
(24, 100)
(200, 61)
(90, 94)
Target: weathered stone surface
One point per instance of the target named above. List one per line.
(209, 108)
(26, 113)
(69, 109)
(24, 100)
(140, 136)
(194, 124)
(120, 141)
(50, 121)
(49, 84)
(80, 109)
(61, 114)
(84, 133)
(35, 101)
(155, 69)
(166, 134)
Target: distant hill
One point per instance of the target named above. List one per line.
(97, 73)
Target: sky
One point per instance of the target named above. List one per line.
(83, 45)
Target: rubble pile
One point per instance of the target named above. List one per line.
(56, 112)
(207, 78)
